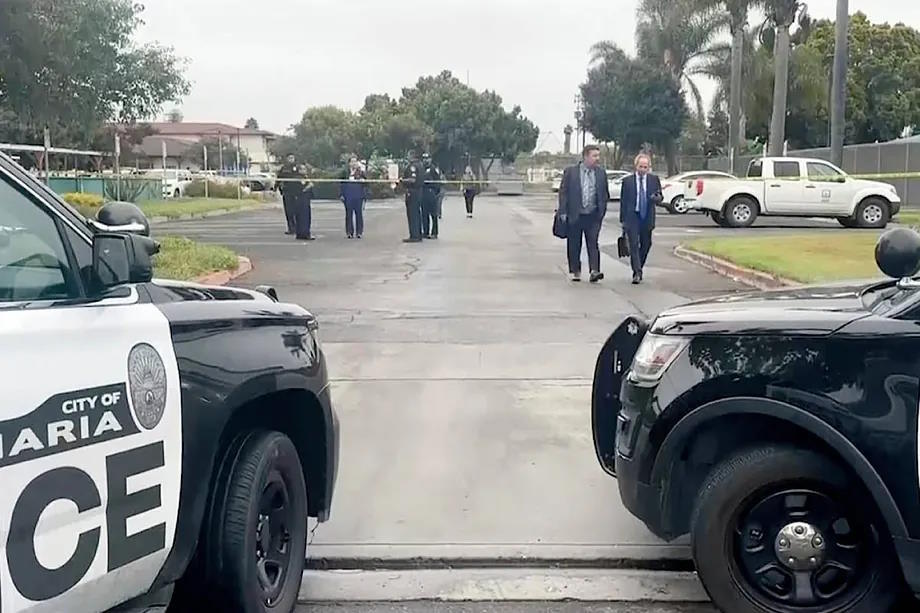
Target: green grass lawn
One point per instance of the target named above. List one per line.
(911, 218)
(807, 258)
(173, 209)
(183, 259)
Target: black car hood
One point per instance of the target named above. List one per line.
(168, 290)
(813, 310)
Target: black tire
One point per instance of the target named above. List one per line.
(847, 222)
(727, 541)
(224, 575)
(872, 213)
(719, 219)
(740, 212)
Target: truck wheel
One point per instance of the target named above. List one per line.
(719, 219)
(740, 212)
(872, 213)
(260, 526)
(775, 529)
(847, 222)
(677, 206)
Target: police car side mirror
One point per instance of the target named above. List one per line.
(897, 254)
(122, 258)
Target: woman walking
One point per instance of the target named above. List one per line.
(468, 185)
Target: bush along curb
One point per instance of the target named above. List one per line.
(742, 274)
(222, 277)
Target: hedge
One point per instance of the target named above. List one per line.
(195, 189)
(83, 201)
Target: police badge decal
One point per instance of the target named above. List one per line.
(147, 385)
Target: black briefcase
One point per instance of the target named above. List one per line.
(623, 246)
(560, 229)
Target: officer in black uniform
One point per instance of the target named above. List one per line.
(430, 196)
(296, 196)
(412, 179)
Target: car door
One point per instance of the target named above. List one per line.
(90, 424)
(784, 188)
(825, 190)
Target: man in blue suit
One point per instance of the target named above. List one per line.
(583, 200)
(640, 195)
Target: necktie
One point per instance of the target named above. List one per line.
(643, 199)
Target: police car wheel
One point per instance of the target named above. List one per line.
(774, 530)
(261, 527)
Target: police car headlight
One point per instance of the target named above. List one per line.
(655, 354)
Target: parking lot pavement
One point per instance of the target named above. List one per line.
(462, 373)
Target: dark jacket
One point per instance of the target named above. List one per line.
(354, 190)
(432, 176)
(629, 218)
(294, 188)
(570, 191)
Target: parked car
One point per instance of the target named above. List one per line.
(158, 439)
(673, 187)
(175, 181)
(804, 187)
(615, 182)
(779, 429)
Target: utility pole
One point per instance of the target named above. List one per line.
(838, 107)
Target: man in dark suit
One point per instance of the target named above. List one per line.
(583, 200)
(640, 195)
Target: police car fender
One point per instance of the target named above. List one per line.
(90, 455)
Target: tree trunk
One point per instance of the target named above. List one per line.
(670, 154)
(781, 52)
(735, 136)
(838, 107)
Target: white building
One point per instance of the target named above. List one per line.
(179, 136)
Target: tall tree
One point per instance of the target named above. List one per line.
(781, 14)
(674, 35)
(630, 105)
(252, 124)
(839, 97)
(738, 16)
(73, 65)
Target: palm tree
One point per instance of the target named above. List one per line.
(781, 14)
(838, 104)
(738, 13)
(677, 35)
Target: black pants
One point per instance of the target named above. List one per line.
(414, 213)
(589, 226)
(430, 215)
(640, 243)
(289, 201)
(303, 216)
(354, 217)
(468, 195)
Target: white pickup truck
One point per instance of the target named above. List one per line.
(802, 187)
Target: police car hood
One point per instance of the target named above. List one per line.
(813, 310)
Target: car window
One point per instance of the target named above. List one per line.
(786, 169)
(755, 169)
(33, 261)
(818, 171)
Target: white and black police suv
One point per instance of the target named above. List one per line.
(160, 442)
(780, 430)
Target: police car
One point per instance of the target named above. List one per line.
(779, 430)
(158, 440)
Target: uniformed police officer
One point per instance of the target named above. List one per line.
(412, 178)
(296, 196)
(430, 196)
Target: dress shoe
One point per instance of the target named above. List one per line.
(411, 240)
(576, 277)
(636, 278)
(597, 276)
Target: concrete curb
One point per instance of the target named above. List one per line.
(742, 274)
(222, 277)
(215, 213)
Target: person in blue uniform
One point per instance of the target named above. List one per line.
(430, 196)
(412, 179)
(354, 194)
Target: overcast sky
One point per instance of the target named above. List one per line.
(272, 59)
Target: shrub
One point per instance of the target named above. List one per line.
(130, 190)
(83, 201)
(215, 190)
